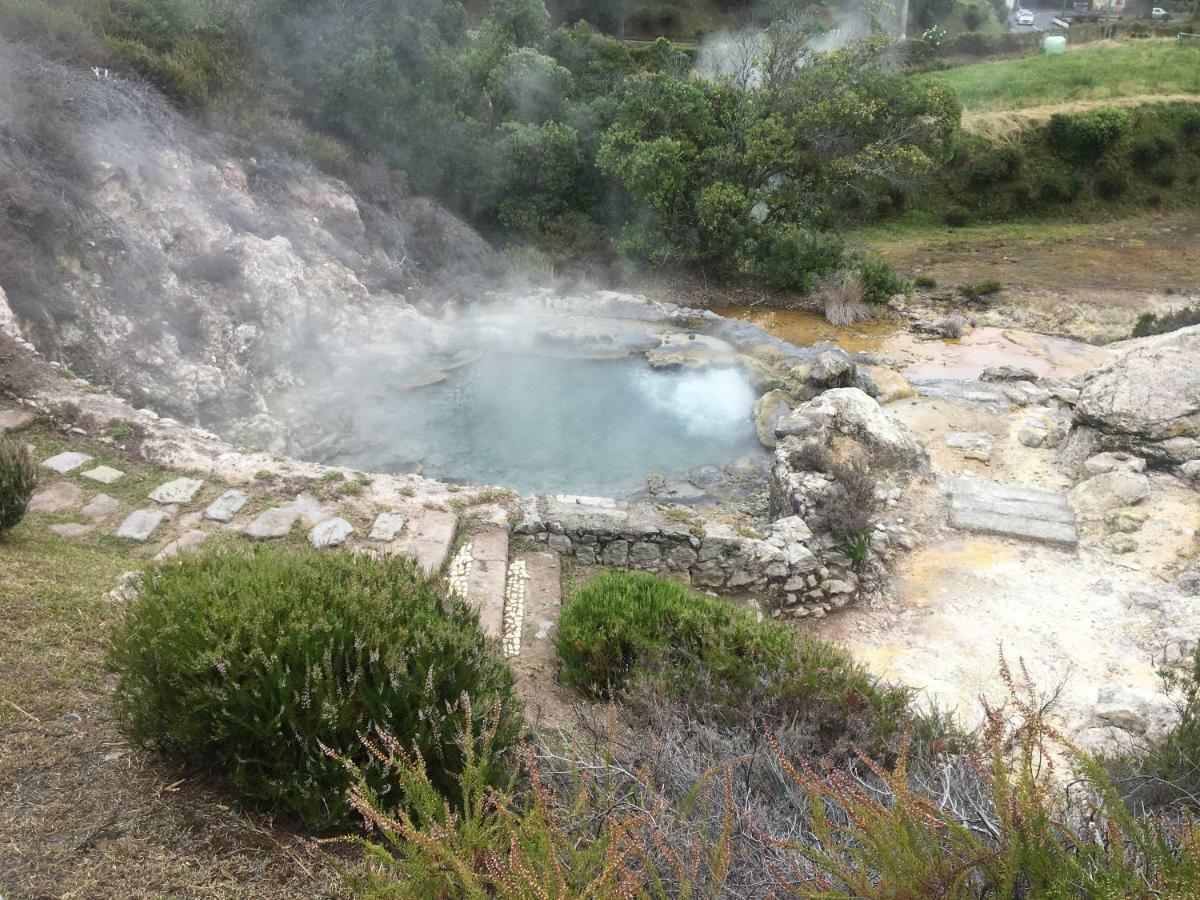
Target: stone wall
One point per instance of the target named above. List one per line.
(787, 567)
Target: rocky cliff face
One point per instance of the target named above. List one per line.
(193, 274)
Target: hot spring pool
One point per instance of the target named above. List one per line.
(548, 425)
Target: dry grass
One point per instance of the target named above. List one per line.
(1006, 124)
(82, 814)
(843, 297)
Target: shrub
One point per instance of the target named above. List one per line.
(1149, 323)
(925, 281)
(844, 299)
(977, 291)
(1189, 123)
(256, 660)
(1112, 184)
(1062, 187)
(1147, 152)
(18, 478)
(1088, 135)
(1164, 174)
(996, 165)
(624, 621)
(957, 217)
(880, 281)
(793, 258)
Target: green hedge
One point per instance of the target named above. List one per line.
(253, 661)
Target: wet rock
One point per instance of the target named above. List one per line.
(1008, 373)
(1112, 462)
(141, 524)
(104, 474)
(63, 463)
(1108, 491)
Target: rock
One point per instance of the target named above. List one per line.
(275, 522)
(185, 543)
(330, 533)
(309, 509)
(1112, 462)
(1023, 393)
(884, 384)
(139, 525)
(1126, 520)
(769, 410)
(1008, 373)
(101, 507)
(705, 477)
(644, 553)
(56, 497)
(104, 474)
(1032, 437)
(1011, 511)
(180, 490)
(228, 505)
(1138, 712)
(1121, 543)
(974, 444)
(1189, 579)
(15, 419)
(1148, 399)
(954, 326)
(833, 368)
(66, 462)
(70, 530)
(1108, 491)
(848, 415)
(1190, 472)
(387, 526)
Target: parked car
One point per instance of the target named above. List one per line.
(1159, 13)
(1024, 17)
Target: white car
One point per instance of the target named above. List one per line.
(1158, 13)
(1024, 17)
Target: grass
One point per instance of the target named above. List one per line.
(1095, 72)
(81, 813)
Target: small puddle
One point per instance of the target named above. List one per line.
(804, 328)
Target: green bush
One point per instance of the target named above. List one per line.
(1089, 134)
(1189, 124)
(622, 621)
(995, 166)
(1148, 151)
(1112, 184)
(793, 258)
(925, 281)
(957, 217)
(18, 478)
(254, 661)
(1062, 187)
(1164, 174)
(880, 281)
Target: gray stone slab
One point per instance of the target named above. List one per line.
(330, 533)
(104, 474)
(70, 530)
(387, 526)
(139, 525)
(489, 573)
(66, 462)
(228, 505)
(15, 419)
(180, 490)
(310, 510)
(187, 542)
(101, 507)
(56, 497)
(1001, 491)
(1021, 527)
(275, 522)
(1055, 511)
(429, 539)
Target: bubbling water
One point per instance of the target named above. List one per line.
(540, 424)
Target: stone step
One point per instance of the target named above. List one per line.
(428, 537)
(1008, 510)
(487, 578)
(533, 631)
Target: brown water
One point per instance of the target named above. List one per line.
(805, 328)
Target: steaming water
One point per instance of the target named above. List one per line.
(548, 425)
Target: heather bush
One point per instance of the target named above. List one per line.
(18, 478)
(1088, 135)
(995, 166)
(794, 258)
(957, 217)
(258, 661)
(880, 281)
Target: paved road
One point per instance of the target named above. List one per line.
(1042, 17)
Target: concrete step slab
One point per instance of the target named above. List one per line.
(428, 538)
(1020, 527)
(487, 580)
(1056, 510)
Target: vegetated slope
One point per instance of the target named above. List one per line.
(1094, 72)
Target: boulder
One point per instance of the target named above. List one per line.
(769, 410)
(1108, 491)
(1008, 373)
(883, 384)
(1136, 711)
(1112, 462)
(847, 416)
(1148, 399)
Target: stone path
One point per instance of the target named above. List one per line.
(1007, 510)
(429, 538)
(487, 579)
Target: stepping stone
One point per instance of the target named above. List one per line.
(15, 419)
(330, 533)
(386, 527)
(429, 538)
(58, 496)
(104, 474)
(66, 462)
(181, 490)
(101, 506)
(185, 543)
(139, 525)
(228, 505)
(275, 522)
(70, 530)
(531, 636)
(310, 510)
(487, 579)
(1010, 511)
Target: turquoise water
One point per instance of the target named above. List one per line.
(539, 424)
